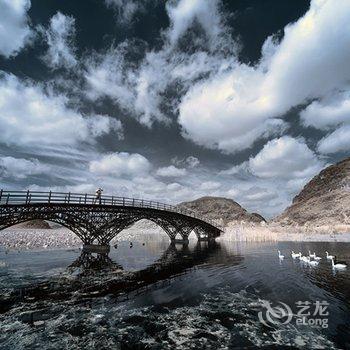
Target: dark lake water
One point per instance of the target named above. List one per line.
(156, 296)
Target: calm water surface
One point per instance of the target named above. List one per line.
(156, 296)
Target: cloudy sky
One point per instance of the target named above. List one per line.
(173, 100)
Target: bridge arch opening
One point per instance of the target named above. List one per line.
(36, 224)
(139, 245)
(39, 233)
(142, 230)
(192, 236)
(178, 236)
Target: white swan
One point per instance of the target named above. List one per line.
(295, 255)
(338, 266)
(312, 263)
(329, 256)
(303, 258)
(312, 255)
(280, 256)
(317, 258)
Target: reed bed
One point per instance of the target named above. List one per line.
(245, 232)
(248, 233)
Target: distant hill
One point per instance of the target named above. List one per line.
(33, 224)
(325, 200)
(223, 209)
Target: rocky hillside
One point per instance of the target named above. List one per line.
(222, 209)
(325, 200)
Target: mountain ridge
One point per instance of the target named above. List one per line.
(220, 209)
(324, 200)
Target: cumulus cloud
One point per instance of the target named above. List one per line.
(212, 117)
(142, 90)
(222, 103)
(210, 185)
(168, 69)
(60, 38)
(21, 168)
(174, 186)
(136, 90)
(310, 61)
(264, 197)
(268, 181)
(100, 124)
(29, 115)
(14, 29)
(259, 195)
(337, 141)
(107, 75)
(171, 171)
(190, 162)
(287, 158)
(330, 113)
(242, 168)
(184, 13)
(121, 163)
(126, 10)
(146, 91)
(148, 85)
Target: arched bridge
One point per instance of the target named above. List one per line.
(100, 220)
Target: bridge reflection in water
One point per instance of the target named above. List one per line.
(89, 262)
(177, 257)
(96, 275)
(176, 260)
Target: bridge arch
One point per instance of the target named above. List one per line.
(100, 221)
(71, 221)
(77, 230)
(171, 228)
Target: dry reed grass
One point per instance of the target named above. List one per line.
(247, 232)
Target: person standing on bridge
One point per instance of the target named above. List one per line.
(98, 196)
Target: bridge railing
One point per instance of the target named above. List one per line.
(32, 197)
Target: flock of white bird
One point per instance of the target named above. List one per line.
(313, 259)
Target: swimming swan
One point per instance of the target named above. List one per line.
(338, 266)
(280, 256)
(295, 255)
(329, 256)
(312, 255)
(312, 263)
(303, 258)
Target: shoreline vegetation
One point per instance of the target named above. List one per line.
(274, 232)
(23, 238)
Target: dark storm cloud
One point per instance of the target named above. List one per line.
(146, 85)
